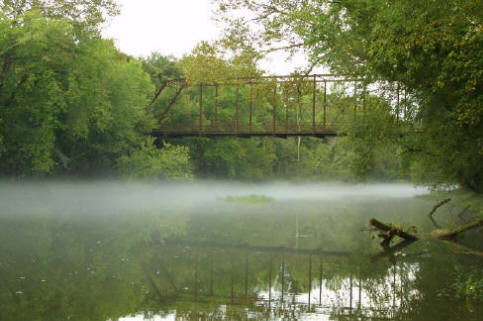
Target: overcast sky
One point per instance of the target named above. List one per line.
(173, 27)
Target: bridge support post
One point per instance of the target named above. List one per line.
(250, 119)
(397, 102)
(324, 124)
(237, 111)
(314, 104)
(286, 119)
(355, 101)
(200, 119)
(216, 106)
(274, 121)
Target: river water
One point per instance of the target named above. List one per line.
(224, 251)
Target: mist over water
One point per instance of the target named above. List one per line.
(218, 250)
(105, 197)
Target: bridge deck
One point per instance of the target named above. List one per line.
(245, 130)
(211, 134)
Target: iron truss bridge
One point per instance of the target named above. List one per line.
(278, 106)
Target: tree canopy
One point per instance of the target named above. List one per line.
(432, 50)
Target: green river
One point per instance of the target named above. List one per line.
(225, 251)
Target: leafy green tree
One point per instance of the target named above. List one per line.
(31, 93)
(431, 49)
(72, 104)
(90, 12)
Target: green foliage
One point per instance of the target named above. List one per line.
(161, 68)
(149, 162)
(31, 91)
(432, 50)
(88, 12)
(233, 158)
(70, 103)
(468, 284)
(373, 142)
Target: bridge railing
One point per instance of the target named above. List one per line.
(286, 105)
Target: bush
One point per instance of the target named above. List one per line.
(149, 162)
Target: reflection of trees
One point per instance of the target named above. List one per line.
(108, 267)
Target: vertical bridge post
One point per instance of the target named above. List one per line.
(237, 111)
(216, 107)
(200, 120)
(250, 119)
(286, 118)
(397, 102)
(274, 122)
(313, 104)
(355, 101)
(325, 106)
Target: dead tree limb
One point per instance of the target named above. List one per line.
(447, 234)
(391, 230)
(438, 206)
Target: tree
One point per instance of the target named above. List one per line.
(431, 49)
(89, 12)
(70, 103)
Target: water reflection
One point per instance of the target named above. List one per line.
(279, 283)
(226, 262)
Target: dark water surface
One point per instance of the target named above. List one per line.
(111, 251)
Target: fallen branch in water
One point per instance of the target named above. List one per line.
(389, 231)
(435, 207)
(447, 234)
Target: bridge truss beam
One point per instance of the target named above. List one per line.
(319, 125)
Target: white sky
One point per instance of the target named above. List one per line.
(174, 27)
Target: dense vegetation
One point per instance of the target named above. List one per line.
(430, 49)
(72, 104)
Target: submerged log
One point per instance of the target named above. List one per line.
(388, 231)
(391, 230)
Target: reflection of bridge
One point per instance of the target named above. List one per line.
(273, 280)
(278, 98)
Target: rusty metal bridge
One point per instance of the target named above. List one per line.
(278, 106)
